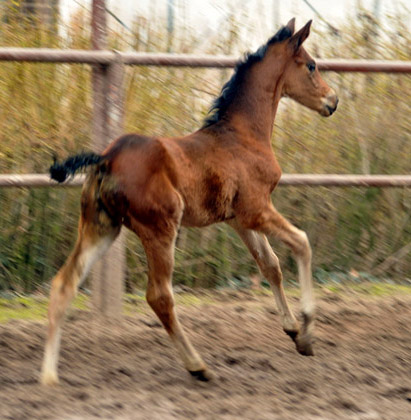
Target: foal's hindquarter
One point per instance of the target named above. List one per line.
(225, 172)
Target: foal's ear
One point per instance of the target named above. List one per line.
(297, 39)
(291, 25)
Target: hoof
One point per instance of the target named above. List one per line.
(202, 375)
(304, 346)
(302, 343)
(49, 379)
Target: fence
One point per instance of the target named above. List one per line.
(108, 72)
(309, 180)
(49, 55)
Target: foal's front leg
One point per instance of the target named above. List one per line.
(270, 222)
(273, 223)
(269, 265)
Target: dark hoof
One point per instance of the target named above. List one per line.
(201, 375)
(304, 346)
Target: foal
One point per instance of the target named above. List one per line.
(224, 172)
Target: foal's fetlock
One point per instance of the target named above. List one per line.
(49, 379)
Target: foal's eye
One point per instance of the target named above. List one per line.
(311, 67)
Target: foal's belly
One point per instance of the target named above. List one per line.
(205, 207)
(202, 217)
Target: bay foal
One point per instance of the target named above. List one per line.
(224, 172)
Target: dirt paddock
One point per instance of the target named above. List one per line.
(361, 370)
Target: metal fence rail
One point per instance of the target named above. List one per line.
(308, 180)
(105, 57)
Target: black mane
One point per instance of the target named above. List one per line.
(228, 92)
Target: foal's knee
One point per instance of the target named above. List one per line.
(270, 267)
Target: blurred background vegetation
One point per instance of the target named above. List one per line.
(356, 233)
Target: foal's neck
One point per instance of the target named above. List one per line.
(256, 104)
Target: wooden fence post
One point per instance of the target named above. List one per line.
(108, 274)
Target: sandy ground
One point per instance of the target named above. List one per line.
(362, 367)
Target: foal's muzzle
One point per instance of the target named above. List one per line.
(330, 103)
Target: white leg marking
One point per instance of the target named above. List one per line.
(60, 299)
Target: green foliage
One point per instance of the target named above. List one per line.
(31, 308)
(46, 109)
(34, 307)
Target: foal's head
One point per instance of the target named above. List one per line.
(302, 80)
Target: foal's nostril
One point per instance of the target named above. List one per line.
(331, 105)
(332, 100)
(330, 109)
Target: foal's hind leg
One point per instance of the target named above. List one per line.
(94, 239)
(269, 265)
(159, 248)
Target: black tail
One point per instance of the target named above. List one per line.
(60, 171)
